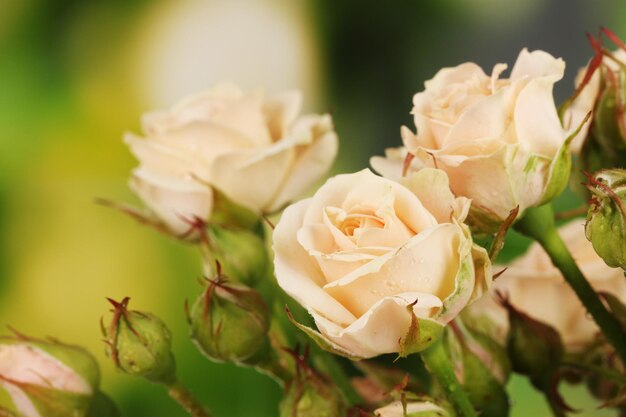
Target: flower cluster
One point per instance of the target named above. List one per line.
(394, 262)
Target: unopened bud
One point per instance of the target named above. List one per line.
(310, 394)
(482, 367)
(535, 348)
(140, 344)
(241, 253)
(103, 406)
(230, 322)
(606, 218)
(42, 378)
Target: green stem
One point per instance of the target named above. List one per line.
(187, 401)
(439, 365)
(330, 365)
(538, 223)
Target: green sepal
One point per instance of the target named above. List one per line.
(6, 403)
(226, 212)
(50, 402)
(103, 406)
(560, 167)
(242, 254)
(321, 340)
(421, 335)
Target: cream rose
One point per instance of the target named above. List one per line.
(364, 252)
(257, 152)
(499, 139)
(536, 287)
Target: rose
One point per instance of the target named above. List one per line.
(43, 378)
(258, 152)
(537, 288)
(499, 140)
(366, 255)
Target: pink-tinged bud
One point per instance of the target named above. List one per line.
(140, 344)
(45, 378)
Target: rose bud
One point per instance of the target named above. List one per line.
(412, 409)
(230, 322)
(606, 217)
(536, 287)
(499, 140)
(140, 344)
(535, 348)
(482, 366)
(380, 266)
(242, 254)
(310, 394)
(42, 378)
(599, 88)
(103, 406)
(257, 152)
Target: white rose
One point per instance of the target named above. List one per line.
(413, 409)
(257, 152)
(536, 287)
(364, 249)
(498, 139)
(40, 377)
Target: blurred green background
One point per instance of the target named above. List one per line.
(76, 74)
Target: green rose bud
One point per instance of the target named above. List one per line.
(606, 217)
(241, 253)
(535, 348)
(45, 378)
(230, 322)
(482, 367)
(310, 394)
(140, 344)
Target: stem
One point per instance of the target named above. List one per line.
(556, 411)
(330, 365)
(439, 365)
(538, 223)
(187, 401)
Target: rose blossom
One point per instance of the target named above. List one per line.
(496, 138)
(258, 152)
(364, 248)
(536, 287)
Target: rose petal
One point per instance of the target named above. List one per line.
(428, 263)
(297, 273)
(372, 335)
(537, 64)
(281, 111)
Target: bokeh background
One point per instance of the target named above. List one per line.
(76, 74)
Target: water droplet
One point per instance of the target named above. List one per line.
(422, 261)
(375, 292)
(390, 283)
(588, 316)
